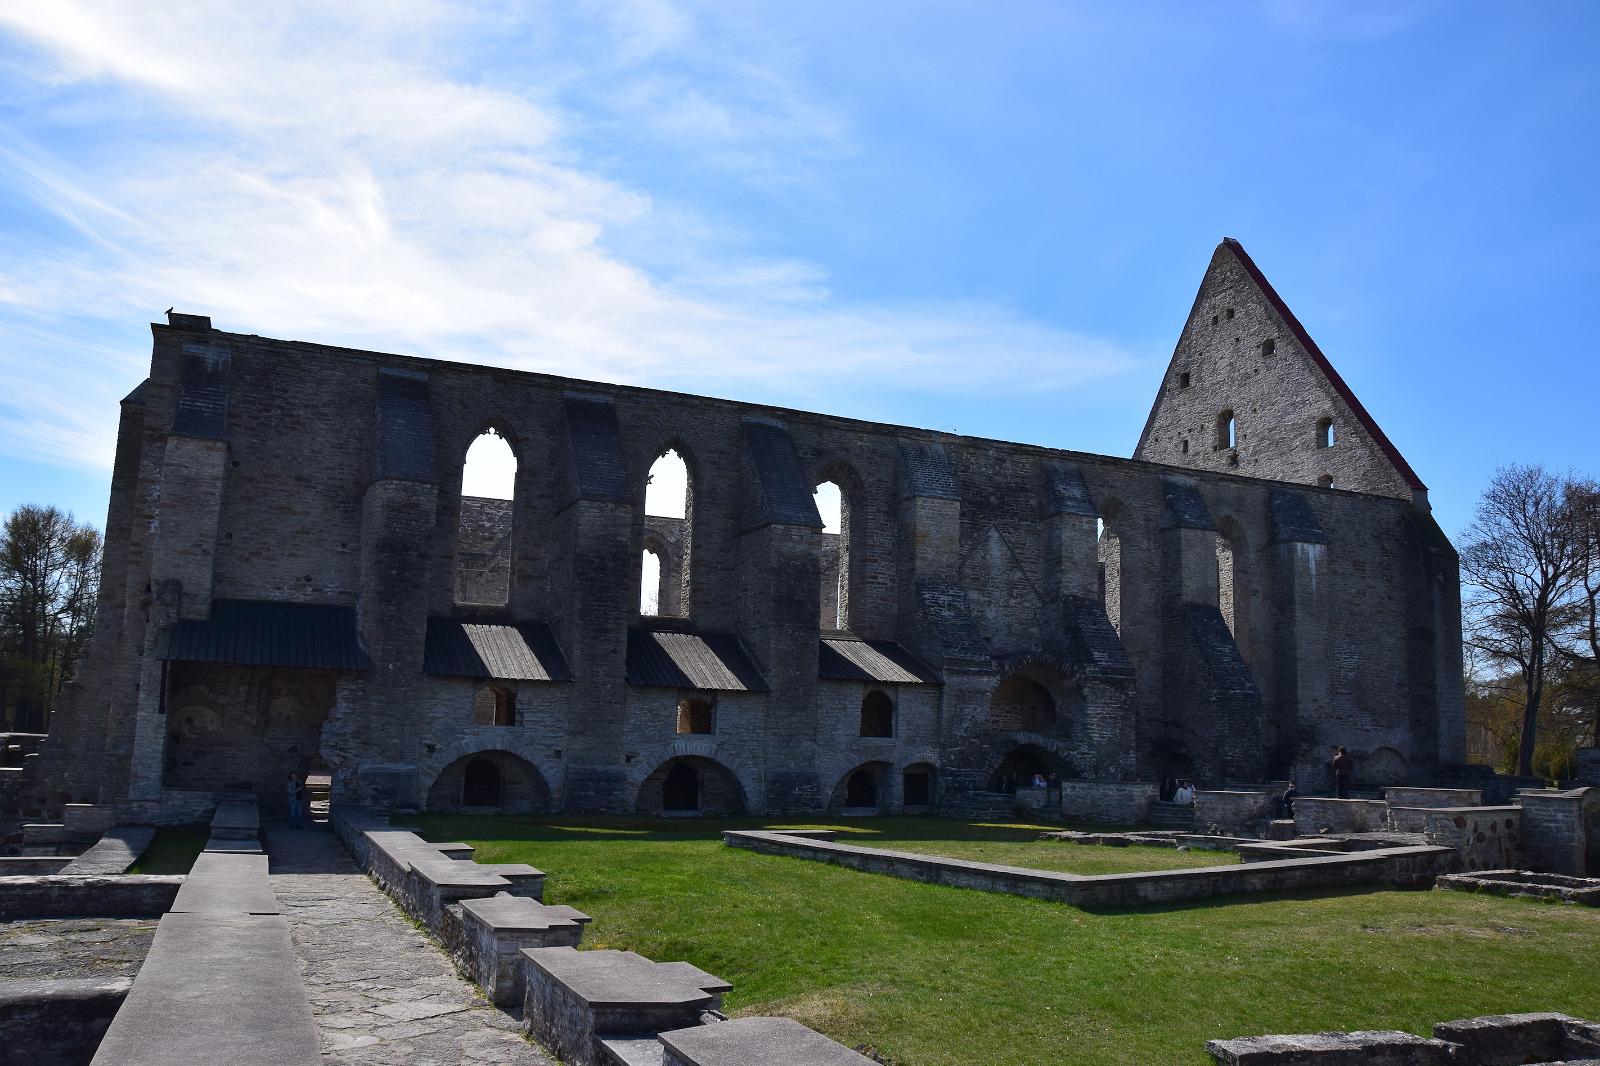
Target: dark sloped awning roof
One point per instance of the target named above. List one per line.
(849, 659)
(526, 651)
(715, 661)
(313, 636)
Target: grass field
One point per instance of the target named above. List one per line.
(173, 850)
(937, 976)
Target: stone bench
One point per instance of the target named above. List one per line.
(575, 999)
(755, 1042)
(485, 936)
(119, 849)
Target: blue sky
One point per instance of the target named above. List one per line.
(989, 218)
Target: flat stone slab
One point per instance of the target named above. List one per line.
(632, 1050)
(233, 847)
(506, 913)
(215, 988)
(119, 849)
(608, 978)
(448, 874)
(456, 851)
(220, 883)
(237, 820)
(1334, 1049)
(755, 1042)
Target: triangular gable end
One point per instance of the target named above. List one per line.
(1248, 391)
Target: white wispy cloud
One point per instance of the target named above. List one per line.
(348, 173)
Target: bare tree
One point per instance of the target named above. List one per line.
(1581, 650)
(1522, 563)
(49, 577)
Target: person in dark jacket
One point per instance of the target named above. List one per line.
(1343, 766)
(1169, 788)
(1288, 799)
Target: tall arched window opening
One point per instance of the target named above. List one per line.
(1325, 436)
(669, 515)
(1232, 593)
(1226, 431)
(834, 507)
(1108, 528)
(483, 535)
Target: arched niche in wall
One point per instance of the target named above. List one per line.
(485, 526)
(666, 561)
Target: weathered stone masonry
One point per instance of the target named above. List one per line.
(289, 584)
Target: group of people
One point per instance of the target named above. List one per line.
(1177, 790)
(1010, 782)
(1181, 790)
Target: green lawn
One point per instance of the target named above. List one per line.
(173, 851)
(931, 975)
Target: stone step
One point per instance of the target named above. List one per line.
(1171, 815)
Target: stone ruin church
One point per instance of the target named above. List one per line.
(294, 581)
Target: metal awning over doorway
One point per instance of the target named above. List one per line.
(312, 636)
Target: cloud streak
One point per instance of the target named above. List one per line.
(345, 173)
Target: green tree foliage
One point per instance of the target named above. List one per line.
(1532, 573)
(49, 582)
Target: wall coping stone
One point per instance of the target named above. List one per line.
(223, 883)
(505, 913)
(754, 1042)
(609, 978)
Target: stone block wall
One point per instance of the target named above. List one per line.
(1555, 829)
(1105, 802)
(1484, 838)
(333, 477)
(1236, 813)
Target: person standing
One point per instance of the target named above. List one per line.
(1342, 766)
(296, 794)
(1289, 795)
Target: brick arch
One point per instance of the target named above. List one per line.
(519, 787)
(1060, 679)
(531, 750)
(717, 789)
(1015, 749)
(883, 787)
(702, 747)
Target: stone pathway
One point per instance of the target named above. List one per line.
(382, 993)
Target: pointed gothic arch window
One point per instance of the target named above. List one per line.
(833, 504)
(668, 504)
(485, 524)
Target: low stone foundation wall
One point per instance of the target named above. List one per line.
(1314, 815)
(1235, 812)
(59, 1022)
(1495, 1040)
(1395, 866)
(1556, 826)
(1483, 838)
(1405, 796)
(72, 896)
(1106, 802)
(1582, 890)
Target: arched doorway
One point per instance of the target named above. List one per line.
(690, 784)
(480, 784)
(861, 789)
(680, 791)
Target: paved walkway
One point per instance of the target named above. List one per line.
(382, 993)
